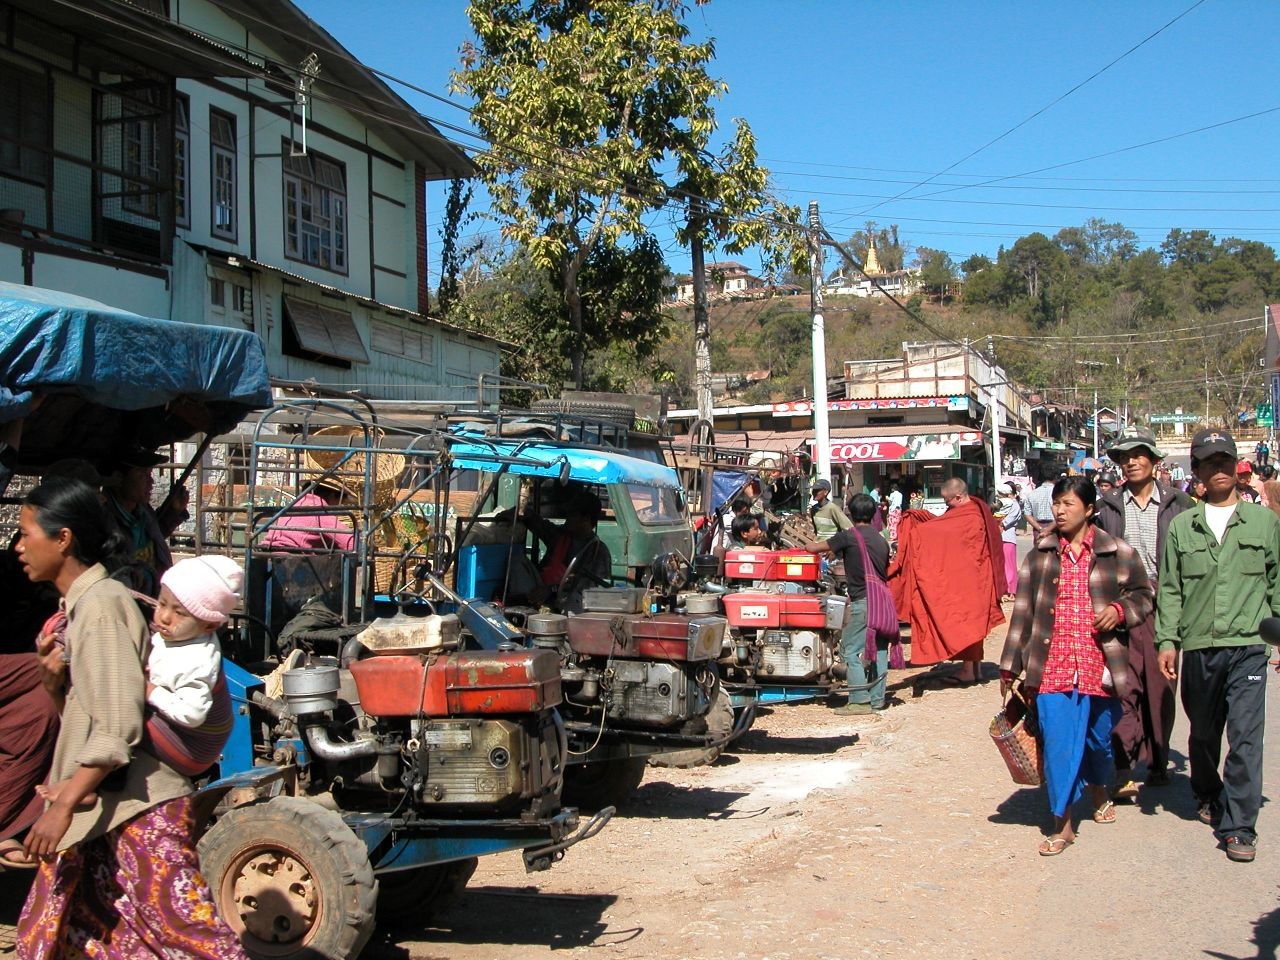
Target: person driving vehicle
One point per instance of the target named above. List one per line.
(576, 559)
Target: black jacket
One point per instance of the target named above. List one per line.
(1109, 512)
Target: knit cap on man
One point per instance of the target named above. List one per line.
(208, 588)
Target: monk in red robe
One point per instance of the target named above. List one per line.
(947, 579)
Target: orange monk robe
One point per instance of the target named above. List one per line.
(947, 578)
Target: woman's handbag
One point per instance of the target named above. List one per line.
(1015, 734)
(882, 614)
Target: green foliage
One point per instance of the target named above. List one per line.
(622, 319)
(452, 256)
(937, 271)
(584, 105)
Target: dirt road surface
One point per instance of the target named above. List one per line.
(898, 836)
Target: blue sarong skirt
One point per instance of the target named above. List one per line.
(1076, 728)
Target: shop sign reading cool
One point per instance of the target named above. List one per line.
(922, 446)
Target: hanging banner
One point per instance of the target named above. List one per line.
(801, 408)
(919, 446)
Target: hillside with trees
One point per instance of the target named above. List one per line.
(1085, 309)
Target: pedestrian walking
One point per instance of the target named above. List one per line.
(1139, 512)
(869, 675)
(119, 877)
(1219, 578)
(1244, 482)
(947, 578)
(1076, 591)
(1040, 507)
(1009, 516)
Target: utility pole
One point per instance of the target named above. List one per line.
(701, 322)
(993, 402)
(821, 430)
(1095, 424)
(1206, 391)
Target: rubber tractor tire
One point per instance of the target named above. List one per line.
(719, 725)
(619, 413)
(605, 783)
(415, 897)
(291, 879)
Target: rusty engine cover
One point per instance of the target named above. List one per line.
(461, 684)
(663, 636)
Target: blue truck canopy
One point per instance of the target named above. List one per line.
(548, 460)
(87, 380)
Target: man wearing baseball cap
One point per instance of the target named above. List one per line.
(828, 518)
(1219, 578)
(1139, 512)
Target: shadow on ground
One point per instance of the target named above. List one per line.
(508, 915)
(1266, 936)
(761, 741)
(661, 800)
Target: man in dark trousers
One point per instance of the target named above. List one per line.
(1139, 512)
(853, 640)
(1219, 578)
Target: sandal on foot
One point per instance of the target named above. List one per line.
(1105, 813)
(14, 857)
(1054, 846)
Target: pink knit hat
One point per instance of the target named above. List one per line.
(209, 587)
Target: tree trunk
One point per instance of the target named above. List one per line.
(573, 300)
(701, 327)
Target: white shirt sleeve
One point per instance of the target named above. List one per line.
(184, 675)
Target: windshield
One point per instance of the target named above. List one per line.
(655, 505)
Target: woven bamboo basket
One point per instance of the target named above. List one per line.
(400, 534)
(387, 466)
(1012, 730)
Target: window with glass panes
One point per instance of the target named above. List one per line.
(182, 161)
(140, 157)
(315, 210)
(222, 168)
(24, 124)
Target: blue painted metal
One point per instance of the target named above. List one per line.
(254, 777)
(397, 845)
(771, 695)
(301, 754)
(472, 452)
(237, 755)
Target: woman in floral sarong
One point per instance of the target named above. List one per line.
(119, 878)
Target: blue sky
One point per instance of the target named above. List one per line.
(855, 103)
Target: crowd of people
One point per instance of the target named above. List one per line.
(1129, 590)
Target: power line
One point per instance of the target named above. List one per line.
(1109, 153)
(1093, 338)
(1049, 105)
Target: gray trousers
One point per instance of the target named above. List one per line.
(1226, 688)
(853, 645)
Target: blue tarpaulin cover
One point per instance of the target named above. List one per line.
(87, 378)
(52, 342)
(548, 460)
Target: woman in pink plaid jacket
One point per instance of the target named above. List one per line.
(1077, 591)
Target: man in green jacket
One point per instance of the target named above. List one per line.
(1219, 577)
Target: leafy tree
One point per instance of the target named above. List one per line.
(1109, 242)
(583, 103)
(937, 271)
(453, 256)
(1188, 248)
(974, 263)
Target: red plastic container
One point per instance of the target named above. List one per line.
(772, 565)
(803, 612)
(462, 684)
(753, 610)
